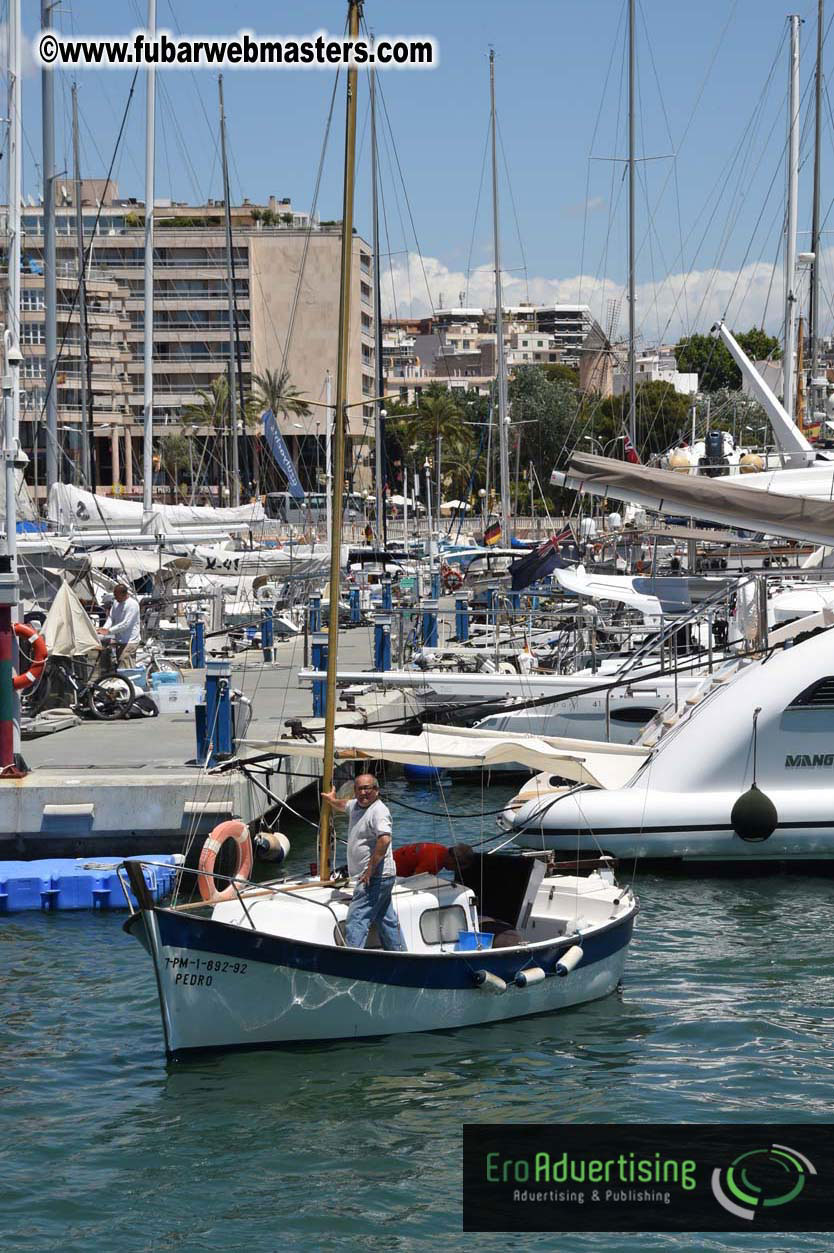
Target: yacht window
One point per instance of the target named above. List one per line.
(819, 695)
(439, 925)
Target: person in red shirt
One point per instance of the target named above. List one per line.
(414, 859)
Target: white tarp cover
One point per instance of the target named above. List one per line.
(731, 501)
(134, 562)
(68, 630)
(71, 506)
(615, 587)
(456, 748)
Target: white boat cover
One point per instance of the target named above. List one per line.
(615, 587)
(456, 748)
(725, 500)
(134, 562)
(68, 630)
(71, 506)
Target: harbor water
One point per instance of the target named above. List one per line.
(726, 1014)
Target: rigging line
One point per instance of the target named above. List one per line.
(475, 217)
(736, 162)
(308, 233)
(384, 136)
(515, 209)
(51, 381)
(616, 43)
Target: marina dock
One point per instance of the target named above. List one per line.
(135, 786)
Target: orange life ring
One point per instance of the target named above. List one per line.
(235, 830)
(40, 652)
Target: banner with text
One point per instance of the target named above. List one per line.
(280, 452)
(645, 1177)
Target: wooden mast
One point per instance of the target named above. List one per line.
(338, 453)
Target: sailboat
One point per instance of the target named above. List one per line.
(258, 965)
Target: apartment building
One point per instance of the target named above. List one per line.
(285, 318)
(457, 347)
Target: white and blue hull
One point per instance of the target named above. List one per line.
(223, 987)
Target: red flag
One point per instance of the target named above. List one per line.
(631, 452)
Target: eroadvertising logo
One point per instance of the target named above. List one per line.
(761, 1177)
(648, 1177)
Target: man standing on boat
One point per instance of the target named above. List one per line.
(122, 625)
(371, 864)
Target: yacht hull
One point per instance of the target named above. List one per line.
(224, 987)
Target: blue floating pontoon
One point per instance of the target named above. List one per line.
(80, 883)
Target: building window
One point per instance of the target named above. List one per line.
(32, 333)
(366, 292)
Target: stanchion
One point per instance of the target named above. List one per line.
(355, 607)
(198, 644)
(462, 617)
(430, 623)
(314, 614)
(215, 741)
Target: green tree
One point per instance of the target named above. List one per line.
(707, 356)
(559, 373)
(438, 415)
(275, 390)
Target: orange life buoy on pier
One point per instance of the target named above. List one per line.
(40, 652)
(235, 830)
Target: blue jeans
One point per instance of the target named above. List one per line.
(372, 904)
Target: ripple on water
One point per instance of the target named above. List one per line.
(725, 1015)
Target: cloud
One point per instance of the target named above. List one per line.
(593, 205)
(28, 64)
(676, 305)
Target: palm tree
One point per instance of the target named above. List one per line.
(274, 390)
(212, 411)
(439, 416)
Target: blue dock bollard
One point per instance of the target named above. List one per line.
(462, 617)
(319, 659)
(314, 612)
(267, 632)
(198, 643)
(515, 602)
(430, 623)
(435, 584)
(355, 607)
(382, 641)
(387, 596)
(215, 739)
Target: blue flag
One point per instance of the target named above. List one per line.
(280, 452)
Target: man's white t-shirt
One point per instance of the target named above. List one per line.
(365, 826)
(123, 622)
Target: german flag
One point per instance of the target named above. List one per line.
(492, 534)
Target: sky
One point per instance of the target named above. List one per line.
(711, 123)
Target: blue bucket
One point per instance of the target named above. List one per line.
(471, 941)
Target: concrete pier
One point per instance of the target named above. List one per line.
(134, 786)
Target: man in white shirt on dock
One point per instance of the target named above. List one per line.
(371, 864)
(122, 625)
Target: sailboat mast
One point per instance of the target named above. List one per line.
(230, 289)
(50, 292)
(503, 421)
(790, 225)
(84, 356)
(14, 172)
(150, 124)
(632, 253)
(379, 412)
(354, 10)
(813, 321)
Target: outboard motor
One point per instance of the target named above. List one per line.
(714, 462)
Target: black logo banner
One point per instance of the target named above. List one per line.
(643, 1177)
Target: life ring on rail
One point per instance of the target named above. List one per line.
(40, 652)
(235, 830)
(452, 579)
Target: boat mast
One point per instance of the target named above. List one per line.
(354, 11)
(379, 412)
(632, 144)
(49, 280)
(150, 122)
(328, 455)
(14, 175)
(790, 228)
(84, 356)
(817, 396)
(503, 420)
(230, 289)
